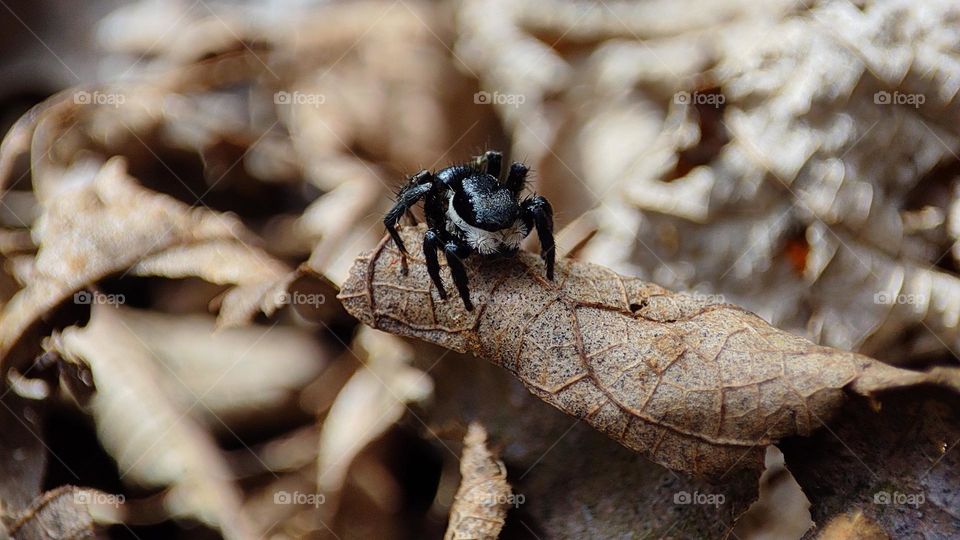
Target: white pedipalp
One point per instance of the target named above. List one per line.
(485, 242)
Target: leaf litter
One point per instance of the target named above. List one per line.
(752, 187)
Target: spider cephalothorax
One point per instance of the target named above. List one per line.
(470, 209)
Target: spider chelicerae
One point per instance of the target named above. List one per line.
(471, 209)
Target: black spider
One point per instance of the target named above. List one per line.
(470, 209)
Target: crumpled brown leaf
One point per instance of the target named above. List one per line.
(898, 466)
(697, 387)
(58, 513)
(108, 223)
(374, 398)
(804, 194)
(155, 442)
(480, 506)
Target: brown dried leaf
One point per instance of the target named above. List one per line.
(613, 491)
(899, 466)
(369, 403)
(108, 224)
(154, 439)
(59, 513)
(235, 377)
(697, 387)
(260, 280)
(480, 506)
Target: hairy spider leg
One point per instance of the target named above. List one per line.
(431, 244)
(536, 211)
(420, 184)
(453, 250)
(517, 177)
(490, 162)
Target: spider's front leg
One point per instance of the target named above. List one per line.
(432, 244)
(420, 185)
(454, 250)
(537, 212)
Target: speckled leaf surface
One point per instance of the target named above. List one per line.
(697, 387)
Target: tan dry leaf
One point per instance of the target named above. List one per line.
(58, 513)
(374, 398)
(260, 280)
(237, 376)
(480, 506)
(153, 439)
(108, 223)
(697, 387)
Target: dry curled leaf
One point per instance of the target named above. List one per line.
(107, 223)
(697, 387)
(58, 513)
(154, 439)
(374, 398)
(898, 466)
(480, 505)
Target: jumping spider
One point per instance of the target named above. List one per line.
(470, 209)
